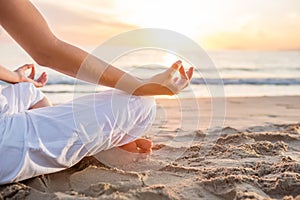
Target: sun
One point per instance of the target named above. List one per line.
(186, 17)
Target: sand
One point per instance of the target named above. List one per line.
(252, 152)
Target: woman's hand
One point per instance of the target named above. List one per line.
(40, 82)
(165, 83)
(31, 29)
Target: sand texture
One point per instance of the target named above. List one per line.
(255, 155)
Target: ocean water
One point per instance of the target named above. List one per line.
(234, 73)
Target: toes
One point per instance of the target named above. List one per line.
(144, 143)
(138, 146)
(131, 147)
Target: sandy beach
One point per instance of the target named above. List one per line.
(234, 148)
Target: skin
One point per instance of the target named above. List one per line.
(26, 25)
(42, 103)
(138, 146)
(18, 76)
(29, 29)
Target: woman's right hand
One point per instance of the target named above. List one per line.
(165, 83)
(40, 82)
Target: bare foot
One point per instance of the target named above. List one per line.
(140, 145)
(126, 154)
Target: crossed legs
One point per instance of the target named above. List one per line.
(50, 139)
(39, 100)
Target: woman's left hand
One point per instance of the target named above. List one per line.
(40, 82)
(165, 83)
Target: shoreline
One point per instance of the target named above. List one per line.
(240, 112)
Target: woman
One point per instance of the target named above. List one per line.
(49, 139)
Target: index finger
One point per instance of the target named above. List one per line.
(183, 73)
(190, 73)
(28, 66)
(175, 67)
(32, 73)
(23, 68)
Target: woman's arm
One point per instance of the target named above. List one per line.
(27, 26)
(8, 76)
(19, 76)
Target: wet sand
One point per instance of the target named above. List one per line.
(235, 148)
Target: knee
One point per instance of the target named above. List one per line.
(141, 115)
(24, 86)
(147, 109)
(148, 104)
(27, 87)
(29, 91)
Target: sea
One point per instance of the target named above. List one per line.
(233, 73)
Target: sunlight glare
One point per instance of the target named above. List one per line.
(186, 17)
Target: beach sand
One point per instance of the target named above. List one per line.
(249, 149)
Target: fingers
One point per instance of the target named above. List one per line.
(175, 67)
(190, 73)
(42, 80)
(184, 81)
(183, 73)
(32, 73)
(175, 79)
(179, 83)
(26, 67)
(186, 74)
(23, 68)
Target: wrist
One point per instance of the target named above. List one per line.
(141, 88)
(131, 85)
(149, 88)
(17, 77)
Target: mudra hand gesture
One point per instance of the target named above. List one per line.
(165, 83)
(40, 82)
(27, 26)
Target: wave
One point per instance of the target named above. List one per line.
(247, 81)
(67, 81)
(210, 81)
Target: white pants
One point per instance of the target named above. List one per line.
(50, 139)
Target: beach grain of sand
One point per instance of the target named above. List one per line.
(254, 155)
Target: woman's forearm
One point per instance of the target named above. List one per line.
(77, 63)
(19, 75)
(27, 26)
(8, 76)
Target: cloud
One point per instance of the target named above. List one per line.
(253, 24)
(81, 24)
(258, 33)
(260, 25)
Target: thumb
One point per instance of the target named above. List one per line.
(35, 83)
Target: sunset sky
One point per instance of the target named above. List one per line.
(214, 24)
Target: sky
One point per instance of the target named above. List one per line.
(213, 24)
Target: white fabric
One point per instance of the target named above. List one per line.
(3, 102)
(18, 98)
(50, 139)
